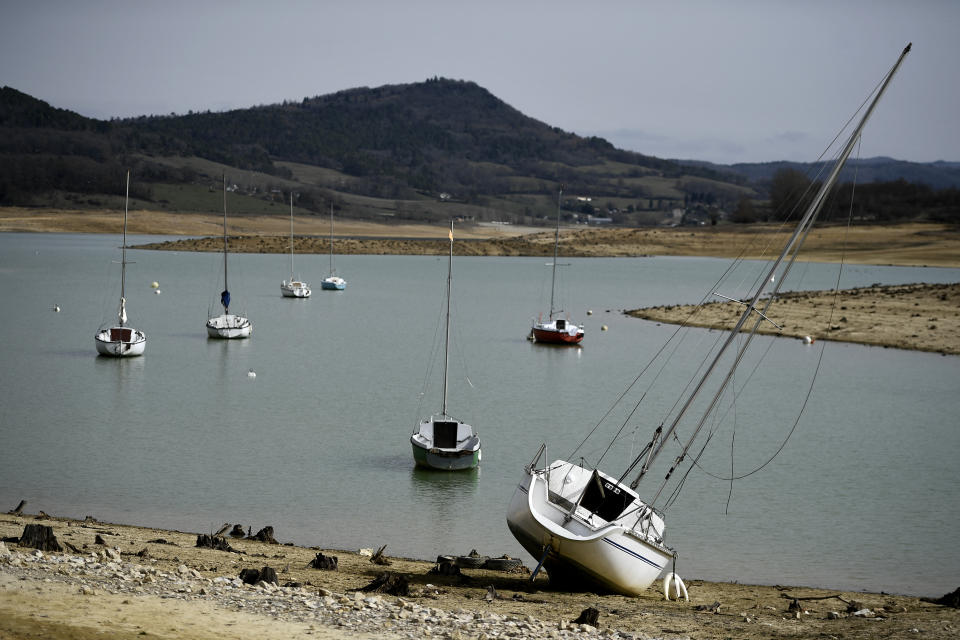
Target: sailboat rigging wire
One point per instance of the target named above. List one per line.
(793, 245)
(836, 290)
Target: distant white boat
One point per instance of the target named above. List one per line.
(442, 442)
(119, 340)
(293, 288)
(227, 325)
(333, 282)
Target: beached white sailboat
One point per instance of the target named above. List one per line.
(587, 526)
(294, 287)
(444, 442)
(555, 330)
(333, 282)
(227, 325)
(119, 340)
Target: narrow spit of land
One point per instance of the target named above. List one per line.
(131, 582)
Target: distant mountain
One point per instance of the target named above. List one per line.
(937, 175)
(422, 151)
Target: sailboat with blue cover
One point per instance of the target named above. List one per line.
(227, 325)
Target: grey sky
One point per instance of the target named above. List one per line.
(734, 81)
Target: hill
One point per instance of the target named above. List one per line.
(421, 152)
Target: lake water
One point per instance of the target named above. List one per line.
(863, 496)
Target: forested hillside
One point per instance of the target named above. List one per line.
(422, 151)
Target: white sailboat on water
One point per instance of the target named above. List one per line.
(588, 526)
(443, 442)
(119, 340)
(227, 325)
(333, 282)
(294, 287)
(555, 330)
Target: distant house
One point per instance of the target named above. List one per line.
(598, 220)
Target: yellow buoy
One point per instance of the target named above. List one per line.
(154, 284)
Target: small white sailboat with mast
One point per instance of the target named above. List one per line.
(333, 282)
(294, 287)
(588, 526)
(443, 442)
(227, 325)
(556, 330)
(120, 340)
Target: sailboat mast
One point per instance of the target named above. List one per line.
(792, 246)
(225, 287)
(446, 342)
(291, 237)
(556, 247)
(331, 237)
(123, 257)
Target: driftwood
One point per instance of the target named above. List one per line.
(214, 542)
(588, 616)
(222, 530)
(98, 540)
(328, 563)
(491, 594)
(39, 536)
(237, 531)
(391, 583)
(379, 558)
(835, 595)
(265, 535)
(19, 509)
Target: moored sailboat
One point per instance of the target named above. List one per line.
(227, 325)
(555, 330)
(119, 340)
(585, 525)
(294, 287)
(332, 282)
(444, 442)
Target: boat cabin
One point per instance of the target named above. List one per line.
(561, 325)
(121, 334)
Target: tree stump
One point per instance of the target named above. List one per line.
(214, 542)
(255, 576)
(329, 563)
(588, 616)
(237, 531)
(379, 558)
(39, 536)
(265, 535)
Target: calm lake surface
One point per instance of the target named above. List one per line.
(863, 496)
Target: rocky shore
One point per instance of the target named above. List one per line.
(120, 581)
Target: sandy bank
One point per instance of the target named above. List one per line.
(921, 317)
(157, 583)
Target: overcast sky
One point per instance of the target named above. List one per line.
(725, 81)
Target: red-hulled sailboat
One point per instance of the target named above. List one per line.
(556, 330)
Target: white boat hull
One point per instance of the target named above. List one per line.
(461, 450)
(616, 556)
(295, 289)
(334, 283)
(229, 326)
(120, 342)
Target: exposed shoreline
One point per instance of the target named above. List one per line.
(134, 585)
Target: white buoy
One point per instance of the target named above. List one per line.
(56, 308)
(603, 327)
(154, 284)
(158, 292)
(808, 340)
(589, 312)
(251, 374)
